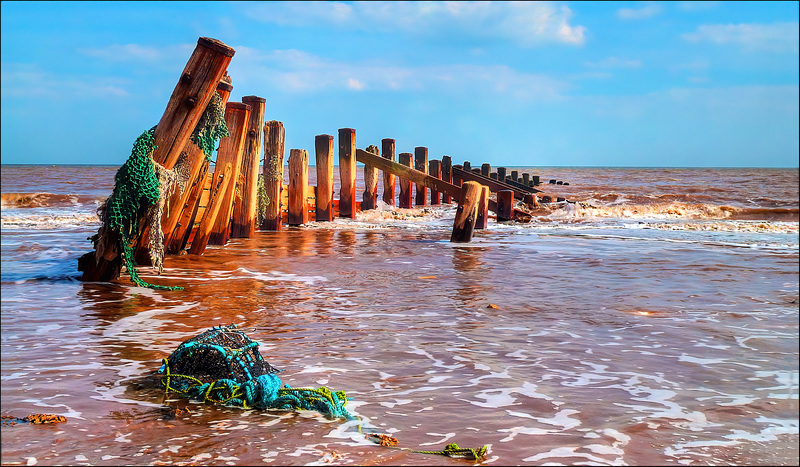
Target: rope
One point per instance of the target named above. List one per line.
(452, 450)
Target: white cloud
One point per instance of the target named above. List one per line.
(647, 11)
(776, 37)
(26, 81)
(300, 72)
(140, 53)
(615, 62)
(526, 23)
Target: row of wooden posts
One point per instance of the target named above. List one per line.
(218, 205)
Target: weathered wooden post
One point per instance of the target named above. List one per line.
(347, 172)
(231, 150)
(501, 174)
(467, 166)
(482, 220)
(505, 205)
(370, 197)
(493, 175)
(421, 164)
(273, 174)
(530, 201)
(447, 175)
(243, 224)
(323, 146)
(222, 179)
(466, 213)
(387, 150)
(179, 219)
(298, 187)
(405, 198)
(486, 169)
(435, 170)
(186, 105)
(514, 175)
(526, 178)
(535, 180)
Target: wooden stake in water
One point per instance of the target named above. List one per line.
(405, 198)
(421, 164)
(447, 175)
(482, 220)
(323, 146)
(466, 214)
(435, 170)
(370, 196)
(298, 187)
(387, 151)
(273, 174)
(347, 172)
(243, 223)
(505, 205)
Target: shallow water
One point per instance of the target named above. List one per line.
(578, 339)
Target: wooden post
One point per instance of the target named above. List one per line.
(186, 105)
(237, 115)
(421, 164)
(347, 172)
(526, 178)
(486, 169)
(514, 175)
(222, 179)
(530, 201)
(243, 224)
(447, 175)
(405, 185)
(387, 149)
(323, 146)
(298, 187)
(482, 220)
(493, 175)
(505, 205)
(501, 174)
(535, 180)
(273, 174)
(435, 170)
(467, 166)
(177, 222)
(370, 197)
(466, 214)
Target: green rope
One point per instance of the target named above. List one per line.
(452, 450)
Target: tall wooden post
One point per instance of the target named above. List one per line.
(482, 220)
(223, 178)
(298, 187)
(466, 214)
(191, 95)
(370, 198)
(273, 174)
(501, 174)
(405, 198)
(447, 175)
(486, 169)
(505, 205)
(526, 179)
(387, 151)
(347, 172)
(323, 147)
(435, 170)
(177, 222)
(243, 224)
(421, 164)
(237, 115)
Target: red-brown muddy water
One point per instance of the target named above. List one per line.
(652, 322)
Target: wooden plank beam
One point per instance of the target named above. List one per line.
(494, 185)
(407, 173)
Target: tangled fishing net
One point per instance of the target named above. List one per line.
(143, 186)
(223, 365)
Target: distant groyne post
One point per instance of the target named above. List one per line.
(421, 164)
(447, 175)
(370, 197)
(387, 152)
(347, 172)
(274, 134)
(323, 146)
(405, 198)
(298, 187)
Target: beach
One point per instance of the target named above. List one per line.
(650, 320)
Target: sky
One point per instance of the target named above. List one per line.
(640, 84)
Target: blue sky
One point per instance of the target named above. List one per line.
(509, 83)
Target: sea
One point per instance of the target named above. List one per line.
(650, 318)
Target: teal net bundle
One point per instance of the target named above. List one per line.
(223, 365)
(142, 188)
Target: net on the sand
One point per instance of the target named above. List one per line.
(223, 365)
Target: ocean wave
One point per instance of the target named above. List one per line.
(50, 221)
(669, 210)
(44, 200)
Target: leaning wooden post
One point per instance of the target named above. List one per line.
(466, 214)
(421, 164)
(237, 115)
(447, 175)
(186, 105)
(405, 198)
(387, 151)
(222, 179)
(370, 198)
(435, 170)
(482, 220)
(505, 205)
(323, 147)
(298, 187)
(273, 174)
(486, 169)
(243, 224)
(347, 172)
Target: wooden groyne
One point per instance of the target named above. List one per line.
(240, 196)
